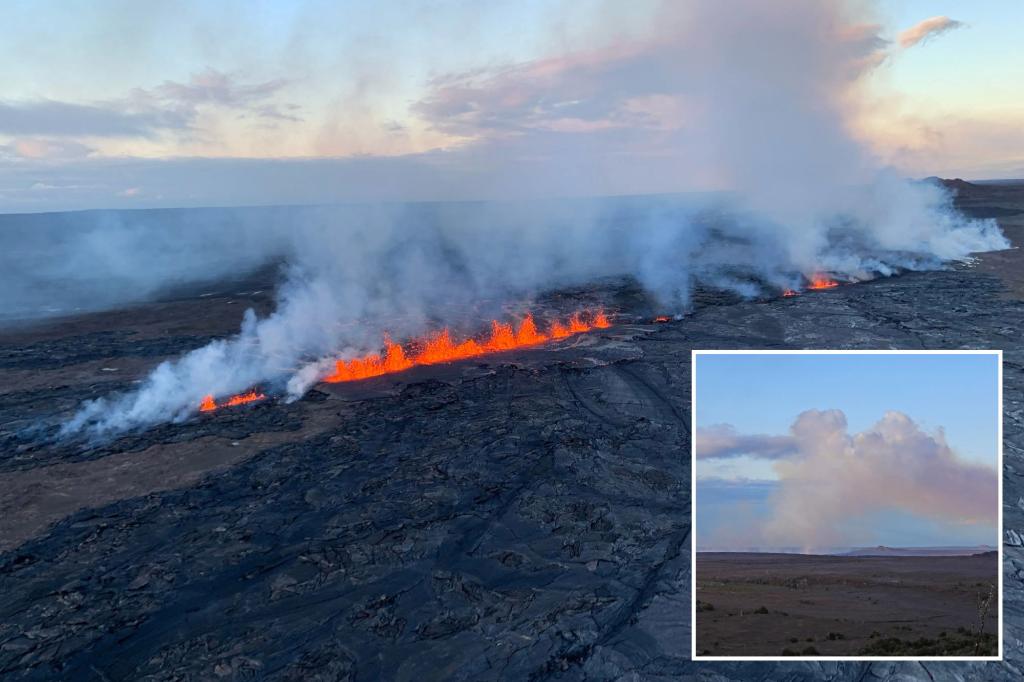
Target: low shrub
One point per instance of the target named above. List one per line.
(963, 645)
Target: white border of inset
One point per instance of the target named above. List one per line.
(693, 504)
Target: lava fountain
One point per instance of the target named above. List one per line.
(439, 347)
(815, 282)
(822, 282)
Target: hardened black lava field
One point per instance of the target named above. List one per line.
(524, 515)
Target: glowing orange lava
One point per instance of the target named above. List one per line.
(822, 282)
(662, 318)
(209, 404)
(439, 346)
(790, 292)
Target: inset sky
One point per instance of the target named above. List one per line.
(812, 452)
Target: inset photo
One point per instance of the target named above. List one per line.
(847, 504)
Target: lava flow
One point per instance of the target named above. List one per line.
(816, 282)
(209, 404)
(822, 282)
(439, 347)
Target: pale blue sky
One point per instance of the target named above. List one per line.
(739, 496)
(763, 394)
(975, 66)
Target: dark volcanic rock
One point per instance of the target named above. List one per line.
(95, 346)
(526, 522)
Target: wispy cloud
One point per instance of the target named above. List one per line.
(47, 117)
(145, 112)
(213, 87)
(722, 441)
(924, 31)
(660, 82)
(38, 149)
(575, 92)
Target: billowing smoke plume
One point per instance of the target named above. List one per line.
(750, 96)
(828, 478)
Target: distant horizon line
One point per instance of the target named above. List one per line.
(834, 550)
(326, 203)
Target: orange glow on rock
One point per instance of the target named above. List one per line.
(209, 404)
(822, 282)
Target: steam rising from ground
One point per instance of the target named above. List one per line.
(751, 95)
(828, 477)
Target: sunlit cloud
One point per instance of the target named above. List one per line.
(924, 31)
(145, 113)
(631, 111)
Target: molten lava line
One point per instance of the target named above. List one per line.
(209, 404)
(439, 347)
(817, 281)
(822, 282)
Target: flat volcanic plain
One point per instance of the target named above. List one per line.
(764, 604)
(516, 517)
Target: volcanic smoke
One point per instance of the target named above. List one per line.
(760, 98)
(438, 348)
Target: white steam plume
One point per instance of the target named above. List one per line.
(763, 96)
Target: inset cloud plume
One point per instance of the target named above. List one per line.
(829, 478)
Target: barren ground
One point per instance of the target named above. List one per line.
(787, 604)
(523, 517)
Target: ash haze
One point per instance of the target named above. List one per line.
(895, 450)
(740, 129)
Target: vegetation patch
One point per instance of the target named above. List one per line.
(951, 645)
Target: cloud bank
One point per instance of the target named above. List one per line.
(144, 113)
(722, 440)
